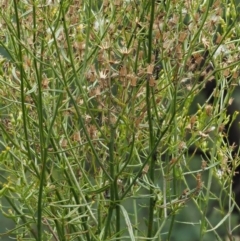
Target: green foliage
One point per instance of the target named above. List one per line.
(95, 123)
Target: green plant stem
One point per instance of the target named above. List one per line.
(20, 65)
(113, 185)
(173, 110)
(41, 120)
(43, 156)
(151, 134)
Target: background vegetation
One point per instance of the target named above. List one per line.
(101, 103)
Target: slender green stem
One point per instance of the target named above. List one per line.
(41, 120)
(173, 110)
(113, 185)
(150, 124)
(20, 65)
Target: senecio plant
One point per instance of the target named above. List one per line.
(98, 117)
